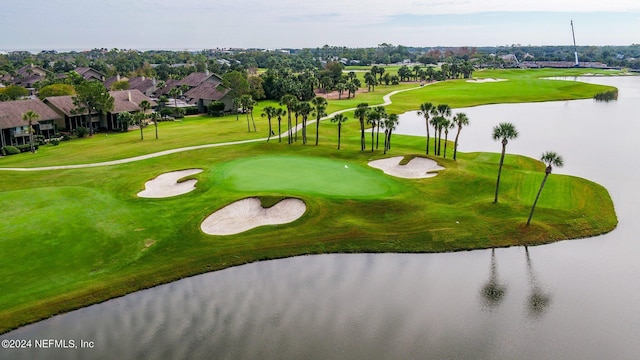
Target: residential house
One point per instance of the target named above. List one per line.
(90, 74)
(124, 100)
(146, 85)
(26, 76)
(208, 92)
(15, 131)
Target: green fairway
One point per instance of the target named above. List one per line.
(298, 175)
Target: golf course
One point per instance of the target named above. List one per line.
(77, 236)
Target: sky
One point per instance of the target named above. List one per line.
(202, 24)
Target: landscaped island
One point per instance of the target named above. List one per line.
(75, 237)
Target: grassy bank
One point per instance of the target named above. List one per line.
(77, 237)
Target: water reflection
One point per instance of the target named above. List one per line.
(493, 291)
(538, 300)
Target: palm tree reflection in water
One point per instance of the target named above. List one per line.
(538, 301)
(493, 291)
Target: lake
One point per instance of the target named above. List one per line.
(573, 299)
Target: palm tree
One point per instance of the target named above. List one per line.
(269, 112)
(425, 111)
(373, 118)
(246, 101)
(29, 117)
(320, 105)
(339, 118)
(461, 120)
(155, 117)
(382, 114)
(279, 113)
(289, 101)
(143, 106)
(390, 123)
(551, 159)
(446, 125)
(361, 113)
(174, 93)
(236, 105)
(506, 132)
(443, 111)
(304, 108)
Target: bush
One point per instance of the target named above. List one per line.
(26, 147)
(216, 108)
(54, 142)
(82, 131)
(10, 150)
(191, 110)
(166, 112)
(39, 139)
(66, 137)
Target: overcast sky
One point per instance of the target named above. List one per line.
(200, 24)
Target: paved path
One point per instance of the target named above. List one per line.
(386, 98)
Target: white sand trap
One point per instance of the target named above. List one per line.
(417, 168)
(247, 214)
(485, 80)
(167, 185)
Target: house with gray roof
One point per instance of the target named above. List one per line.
(15, 131)
(124, 100)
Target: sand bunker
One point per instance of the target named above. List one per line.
(167, 185)
(247, 214)
(417, 168)
(485, 80)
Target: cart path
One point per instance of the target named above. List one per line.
(386, 98)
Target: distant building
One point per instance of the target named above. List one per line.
(15, 131)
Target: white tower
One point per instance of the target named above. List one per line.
(575, 48)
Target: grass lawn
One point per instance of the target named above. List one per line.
(80, 236)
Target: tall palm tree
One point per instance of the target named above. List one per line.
(155, 117)
(279, 113)
(390, 124)
(246, 103)
(443, 111)
(269, 112)
(382, 114)
(446, 125)
(143, 106)
(339, 118)
(361, 113)
(506, 132)
(551, 159)
(319, 106)
(461, 119)
(372, 118)
(425, 111)
(289, 101)
(236, 105)
(304, 108)
(174, 93)
(29, 117)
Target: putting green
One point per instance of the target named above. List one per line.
(305, 175)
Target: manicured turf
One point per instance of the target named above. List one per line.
(299, 175)
(72, 238)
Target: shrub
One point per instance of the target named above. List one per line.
(66, 137)
(606, 96)
(26, 147)
(216, 108)
(82, 131)
(191, 110)
(54, 142)
(39, 139)
(10, 150)
(166, 112)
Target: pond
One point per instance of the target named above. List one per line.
(568, 300)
